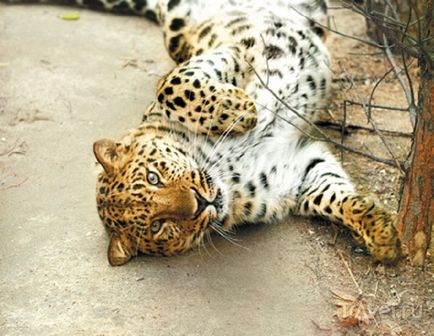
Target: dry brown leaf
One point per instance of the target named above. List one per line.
(349, 322)
(351, 310)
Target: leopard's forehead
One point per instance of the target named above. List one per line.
(122, 201)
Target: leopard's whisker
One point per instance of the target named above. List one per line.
(209, 239)
(228, 238)
(202, 245)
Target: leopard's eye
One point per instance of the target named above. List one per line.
(153, 178)
(155, 226)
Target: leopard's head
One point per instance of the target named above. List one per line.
(152, 195)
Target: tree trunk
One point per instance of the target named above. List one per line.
(416, 213)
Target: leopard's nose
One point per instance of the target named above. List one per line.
(202, 203)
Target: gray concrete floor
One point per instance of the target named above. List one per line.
(63, 85)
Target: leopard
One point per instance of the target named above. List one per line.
(227, 140)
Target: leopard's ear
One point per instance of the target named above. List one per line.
(117, 252)
(109, 155)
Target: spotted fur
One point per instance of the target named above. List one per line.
(223, 144)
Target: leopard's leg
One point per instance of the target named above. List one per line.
(327, 191)
(202, 94)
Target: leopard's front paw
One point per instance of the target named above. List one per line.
(237, 112)
(380, 235)
(376, 226)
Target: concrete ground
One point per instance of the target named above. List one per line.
(64, 85)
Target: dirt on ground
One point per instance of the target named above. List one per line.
(65, 84)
